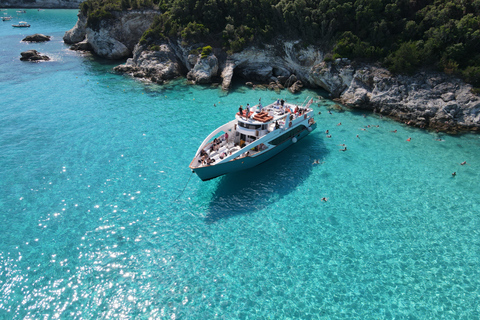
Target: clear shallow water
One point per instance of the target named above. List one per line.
(94, 223)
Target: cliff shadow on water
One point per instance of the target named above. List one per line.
(256, 188)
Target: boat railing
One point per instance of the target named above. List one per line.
(224, 128)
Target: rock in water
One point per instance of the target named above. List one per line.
(33, 55)
(37, 37)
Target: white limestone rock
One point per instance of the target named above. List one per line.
(335, 77)
(427, 99)
(204, 70)
(78, 32)
(116, 38)
(156, 65)
(227, 74)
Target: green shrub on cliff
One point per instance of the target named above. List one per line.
(206, 52)
(405, 59)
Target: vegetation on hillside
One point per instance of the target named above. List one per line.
(402, 34)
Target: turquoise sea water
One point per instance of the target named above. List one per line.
(94, 224)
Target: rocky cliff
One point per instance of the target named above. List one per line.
(428, 99)
(115, 38)
(45, 4)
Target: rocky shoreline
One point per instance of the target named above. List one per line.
(430, 100)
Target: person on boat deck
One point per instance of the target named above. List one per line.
(226, 136)
(260, 107)
(247, 112)
(240, 109)
(282, 102)
(276, 125)
(296, 109)
(203, 159)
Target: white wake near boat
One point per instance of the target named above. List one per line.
(254, 136)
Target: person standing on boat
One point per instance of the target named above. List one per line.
(247, 111)
(240, 110)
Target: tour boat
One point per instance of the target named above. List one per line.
(6, 18)
(21, 24)
(252, 138)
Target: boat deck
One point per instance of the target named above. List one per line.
(259, 122)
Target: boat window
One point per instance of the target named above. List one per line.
(249, 126)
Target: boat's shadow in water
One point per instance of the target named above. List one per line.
(253, 189)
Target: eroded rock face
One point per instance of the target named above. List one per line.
(335, 77)
(204, 70)
(156, 65)
(427, 100)
(78, 32)
(115, 38)
(82, 46)
(33, 55)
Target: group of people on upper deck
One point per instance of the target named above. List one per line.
(279, 105)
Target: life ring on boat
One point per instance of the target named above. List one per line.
(290, 124)
(294, 139)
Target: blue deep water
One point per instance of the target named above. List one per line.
(101, 218)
